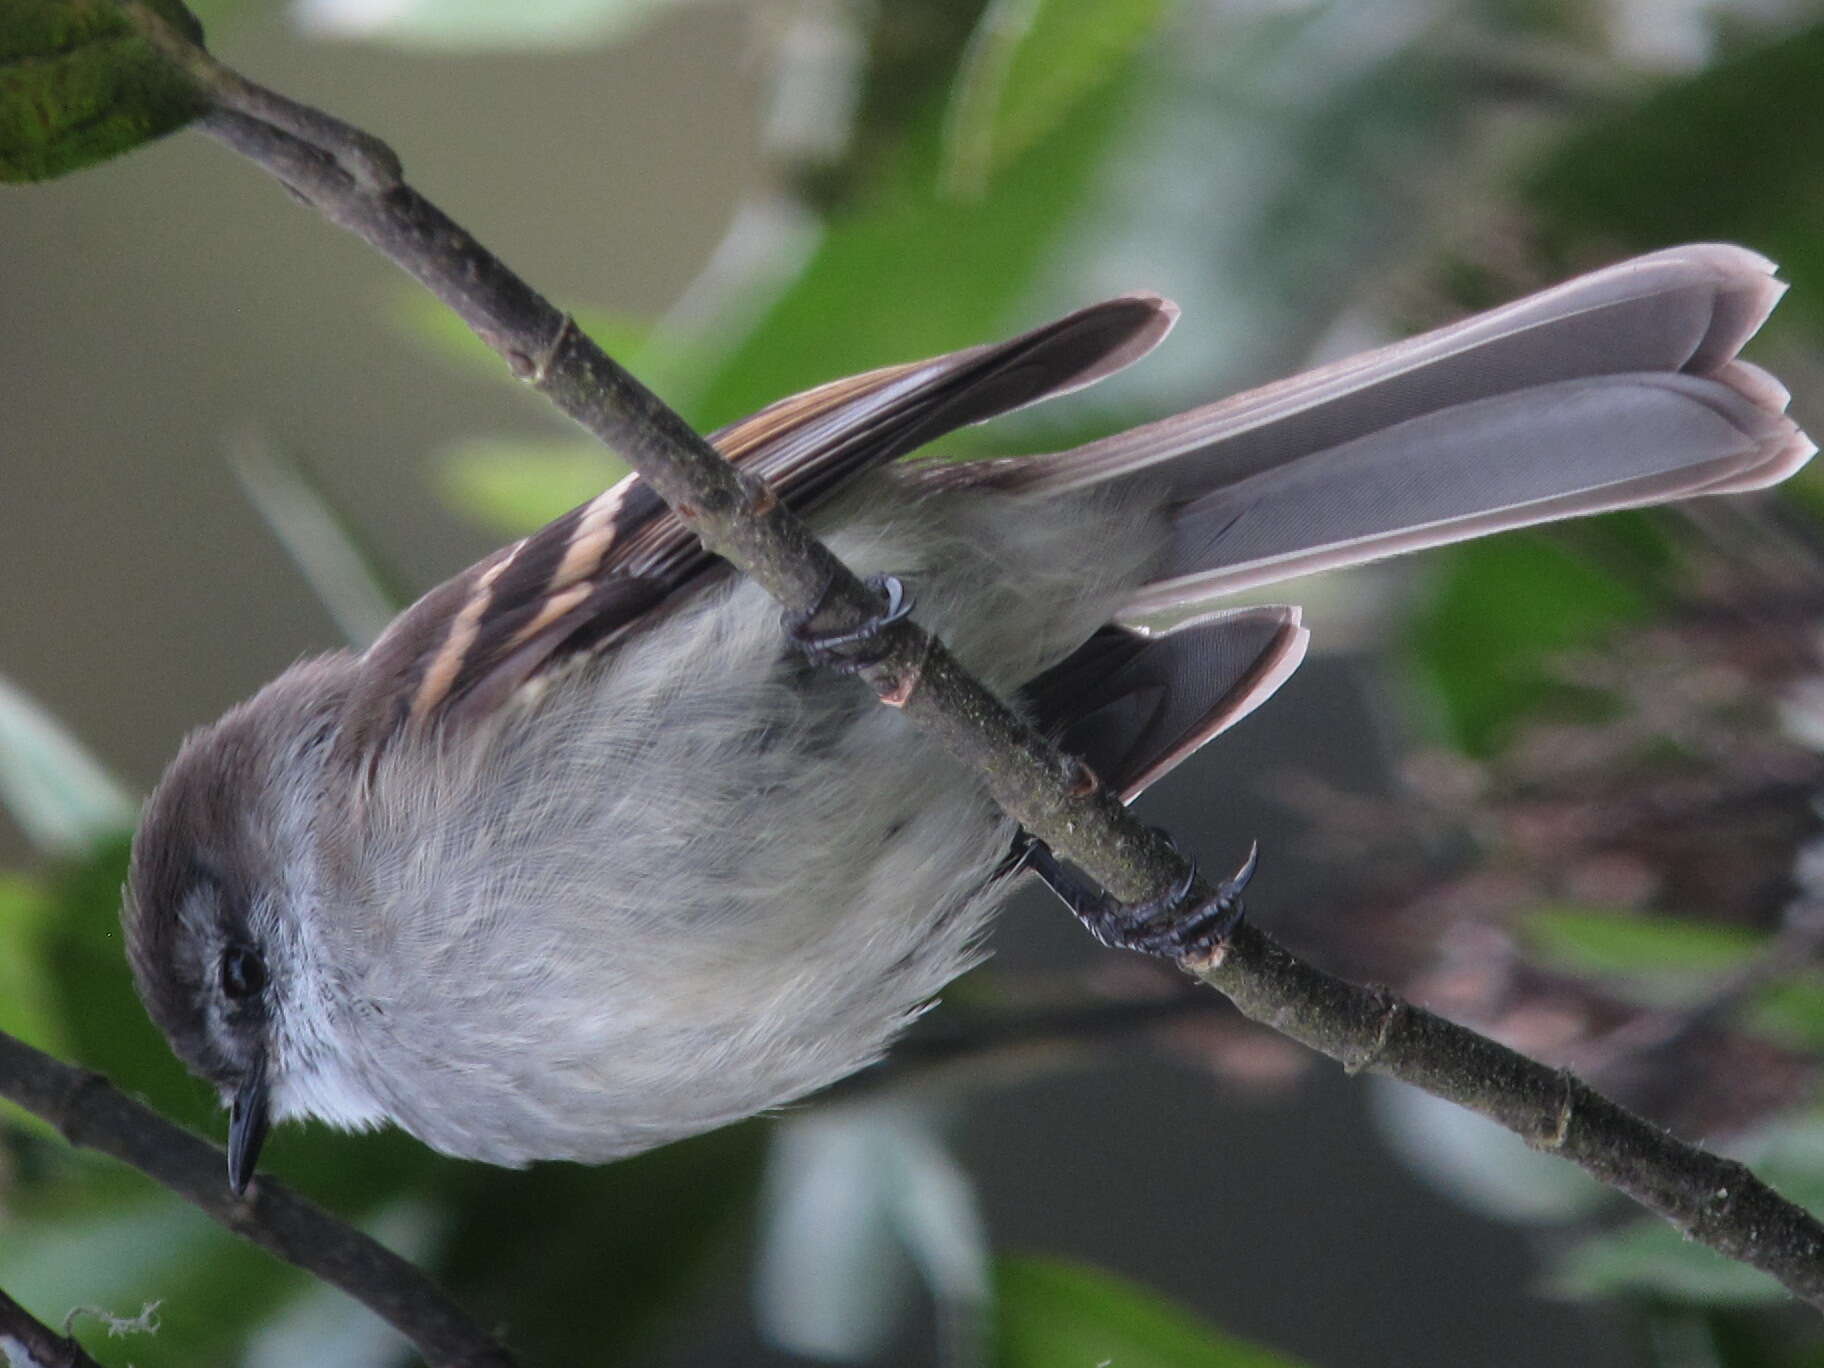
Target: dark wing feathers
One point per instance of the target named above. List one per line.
(813, 442)
(598, 571)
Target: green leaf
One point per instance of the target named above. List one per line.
(79, 83)
(1792, 1013)
(1703, 160)
(28, 1007)
(1600, 941)
(480, 25)
(214, 15)
(616, 1246)
(61, 796)
(1668, 961)
(514, 485)
(1502, 608)
(1054, 1314)
(1027, 65)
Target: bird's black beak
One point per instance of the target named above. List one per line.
(247, 1125)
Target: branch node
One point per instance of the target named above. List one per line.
(907, 679)
(1391, 1010)
(1722, 1201)
(761, 497)
(1210, 960)
(1080, 780)
(535, 371)
(366, 160)
(1560, 1132)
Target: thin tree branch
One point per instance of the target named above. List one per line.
(1024, 1041)
(91, 1112)
(1713, 1200)
(42, 1346)
(354, 181)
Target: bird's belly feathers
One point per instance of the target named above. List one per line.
(717, 878)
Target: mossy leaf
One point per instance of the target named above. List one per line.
(80, 83)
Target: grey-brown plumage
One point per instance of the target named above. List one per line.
(580, 857)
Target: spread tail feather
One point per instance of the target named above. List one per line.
(1618, 389)
(1615, 390)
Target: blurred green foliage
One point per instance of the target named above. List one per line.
(29, 1005)
(905, 268)
(1602, 941)
(1056, 1312)
(1485, 639)
(1700, 160)
(514, 484)
(1665, 961)
(1028, 63)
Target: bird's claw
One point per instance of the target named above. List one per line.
(857, 648)
(1176, 926)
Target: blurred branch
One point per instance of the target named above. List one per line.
(1665, 1034)
(1084, 1023)
(354, 181)
(41, 1346)
(91, 1112)
(1018, 1039)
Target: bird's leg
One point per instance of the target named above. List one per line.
(1177, 926)
(857, 648)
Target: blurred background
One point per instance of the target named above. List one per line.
(1560, 786)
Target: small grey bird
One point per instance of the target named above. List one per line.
(583, 856)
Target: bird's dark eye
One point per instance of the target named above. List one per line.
(243, 972)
